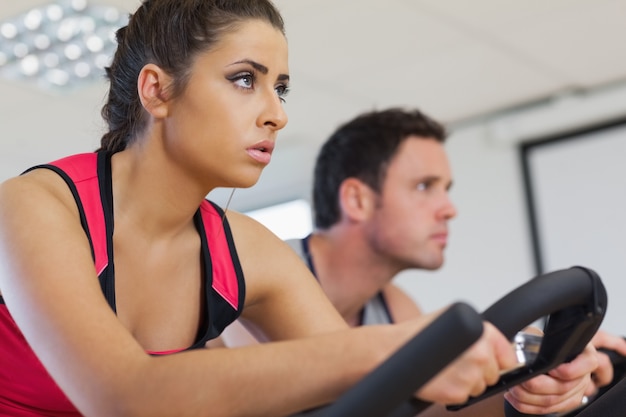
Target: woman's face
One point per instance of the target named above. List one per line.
(223, 127)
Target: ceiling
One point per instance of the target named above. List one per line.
(458, 60)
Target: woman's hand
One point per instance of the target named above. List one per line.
(477, 368)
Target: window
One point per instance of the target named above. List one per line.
(287, 220)
(576, 204)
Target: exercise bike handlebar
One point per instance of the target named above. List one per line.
(410, 367)
(574, 300)
(575, 287)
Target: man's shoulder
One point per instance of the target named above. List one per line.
(402, 305)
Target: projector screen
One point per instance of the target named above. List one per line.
(576, 192)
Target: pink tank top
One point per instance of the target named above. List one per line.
(26, 388)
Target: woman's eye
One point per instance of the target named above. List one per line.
(282, 91)
(244, 81)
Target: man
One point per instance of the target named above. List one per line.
(381, 206)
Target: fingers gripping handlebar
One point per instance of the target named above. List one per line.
(574, 300)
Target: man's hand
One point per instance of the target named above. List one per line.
(603, 375)
(562, 389)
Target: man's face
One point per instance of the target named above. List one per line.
(410, 224)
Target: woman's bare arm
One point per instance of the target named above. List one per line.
(52, 291)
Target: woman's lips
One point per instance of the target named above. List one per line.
(262, 152)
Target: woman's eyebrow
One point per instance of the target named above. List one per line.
(261, 68)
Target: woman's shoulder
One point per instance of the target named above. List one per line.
(35, 190)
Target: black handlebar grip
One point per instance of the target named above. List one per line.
(410, 367)
(544, 295)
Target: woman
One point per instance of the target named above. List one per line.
(195, 102)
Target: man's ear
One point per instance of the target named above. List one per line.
(356, 199)
(152, 87)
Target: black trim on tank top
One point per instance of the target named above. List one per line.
(105, 182)
(206, 276)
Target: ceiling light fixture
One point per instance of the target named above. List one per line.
(61, 45)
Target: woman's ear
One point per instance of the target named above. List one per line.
(356, 200)
(152, 87)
